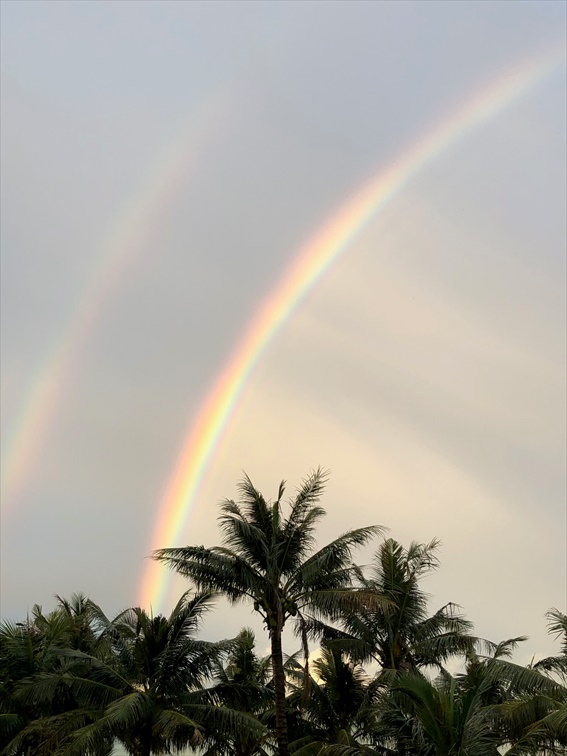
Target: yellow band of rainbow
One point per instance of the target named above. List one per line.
(309, 265)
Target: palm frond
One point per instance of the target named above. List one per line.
(216, 569)
(332, 559)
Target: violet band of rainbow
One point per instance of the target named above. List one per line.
(309, 265)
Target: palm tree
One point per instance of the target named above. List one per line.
(153, 697)
(476, 713)
(147, 688)
(242, 684)
(340, 707)
(268, 559)
(399, 634)
(557, 665)
(445, 717)
(37, 703)
(536, 714)
(85, 625)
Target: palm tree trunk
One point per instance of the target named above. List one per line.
(279, 689)
(146, 741)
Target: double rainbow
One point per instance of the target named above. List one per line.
(310, 263)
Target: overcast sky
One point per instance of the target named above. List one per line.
(163, 163)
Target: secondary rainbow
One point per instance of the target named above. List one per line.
(136, 222)
(309, 265)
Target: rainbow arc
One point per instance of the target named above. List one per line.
(309, 265)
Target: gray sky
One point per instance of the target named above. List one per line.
(163, 163)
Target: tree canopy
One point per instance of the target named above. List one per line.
(377, 670)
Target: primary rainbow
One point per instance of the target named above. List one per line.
(309, 265)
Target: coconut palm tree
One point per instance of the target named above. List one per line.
(37, 703)
(476, 713)
(147, 690)
(556, 665)
(535, 717)
(243, 684)
(445, 716)
(268, 559)
(400, 634)
(340, 707)
(153, 696)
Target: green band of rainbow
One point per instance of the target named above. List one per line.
(136, 222)
(310, 264)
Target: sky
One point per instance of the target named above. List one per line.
(165, 165)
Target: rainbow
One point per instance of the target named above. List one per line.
(311, 262)
(135, 223)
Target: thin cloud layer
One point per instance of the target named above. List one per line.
(427, 368)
